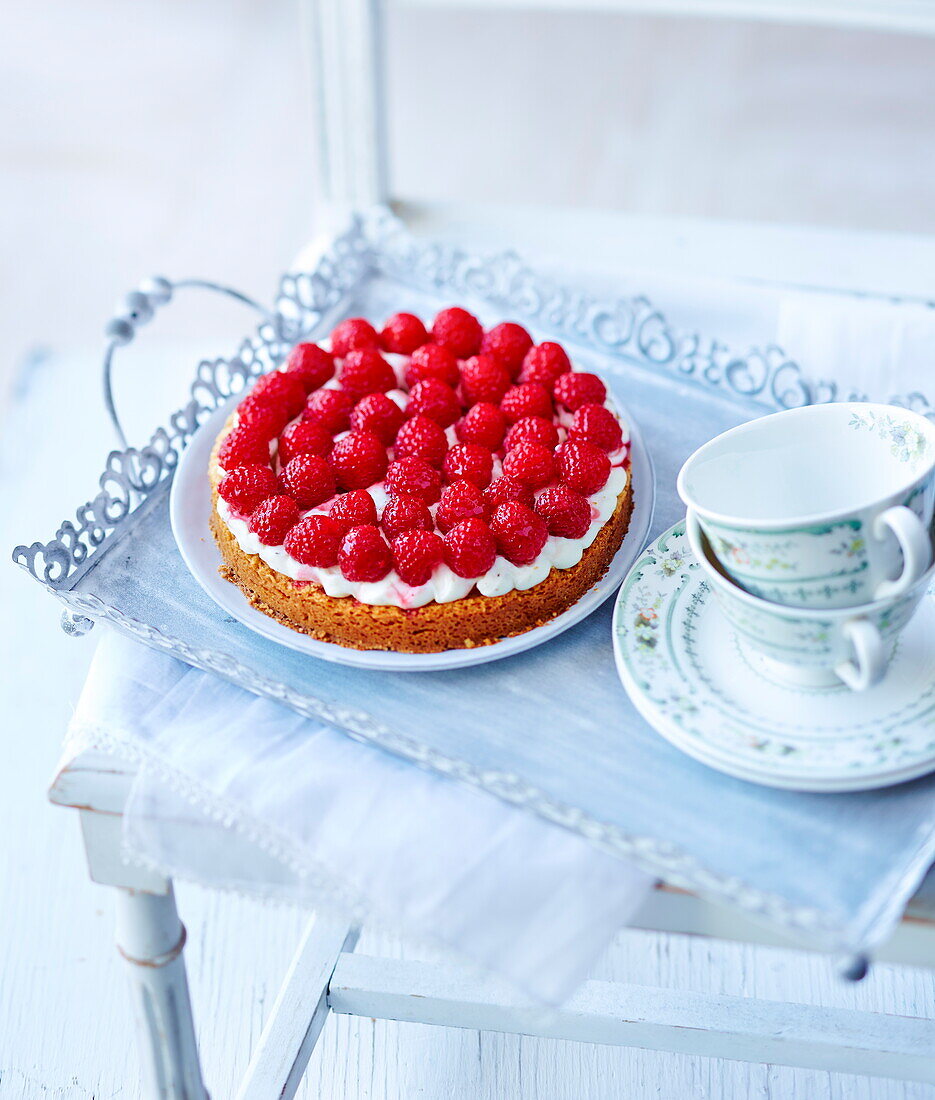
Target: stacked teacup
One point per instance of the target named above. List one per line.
(814, 529)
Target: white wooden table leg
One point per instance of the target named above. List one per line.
(295, 1022)
(150, 937)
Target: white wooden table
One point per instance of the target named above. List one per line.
(326, 975)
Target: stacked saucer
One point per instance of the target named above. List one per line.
(784, 632)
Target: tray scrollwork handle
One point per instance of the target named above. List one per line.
(140, 306)
(131, 473)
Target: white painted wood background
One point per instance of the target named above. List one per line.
(108, 171)
(177, 137)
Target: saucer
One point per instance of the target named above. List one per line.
(691, 679)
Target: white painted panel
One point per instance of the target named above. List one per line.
(657, 1019)
(916, 16)
(151, 939)
(102, 838)
(298, 1013)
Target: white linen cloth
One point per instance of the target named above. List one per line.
(236, 791)
(877, 348)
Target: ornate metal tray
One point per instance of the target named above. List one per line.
(593, 764)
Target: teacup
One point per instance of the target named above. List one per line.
(804, 647)
(822, 506)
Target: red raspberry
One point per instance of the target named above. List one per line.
(403, 333)
(243, 446)
(526, 399)
(460, 501)
(583, 467)
(458, 330)
(272, 404)
(505, 489)
(312, 365)
(436, 400)
(416, 554)
(470, 549)
(484, 378)
(519, 532)
(358, 460)
(271, 520)
(545, 364)
(353, 333)
(597, 425)
(366, 371)
(309, 480)
(509, 342)
(414, 477)
(421, 438)
(405, 513)
(364, 555)
(352, 509)
(244, 487)
(379, 414)
(264, 421)
(432, 361)
(566, 513)
(484, 424)
(531, 463)
(470, 462)
(331, 408)
(281, 389)
(578, 388)
(303, 437)
(315, 541)
(532, 429)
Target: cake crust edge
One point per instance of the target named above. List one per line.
(466, 623)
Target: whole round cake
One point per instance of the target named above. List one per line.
(420, 490)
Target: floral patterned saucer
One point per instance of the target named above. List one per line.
(688, 676)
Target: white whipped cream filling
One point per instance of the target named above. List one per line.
(444, 586)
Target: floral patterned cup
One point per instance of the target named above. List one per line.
(823, 506)
(809, 648)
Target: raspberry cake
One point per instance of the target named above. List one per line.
(420, 489)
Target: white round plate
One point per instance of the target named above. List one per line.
(190, 510)
(682, 666)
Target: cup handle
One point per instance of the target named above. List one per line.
(914, 542)
(868, 664)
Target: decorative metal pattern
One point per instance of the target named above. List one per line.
(630, 329)
(133, 474)
(307, 299)
(142, 305)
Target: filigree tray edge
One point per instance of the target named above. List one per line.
(629, 329)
